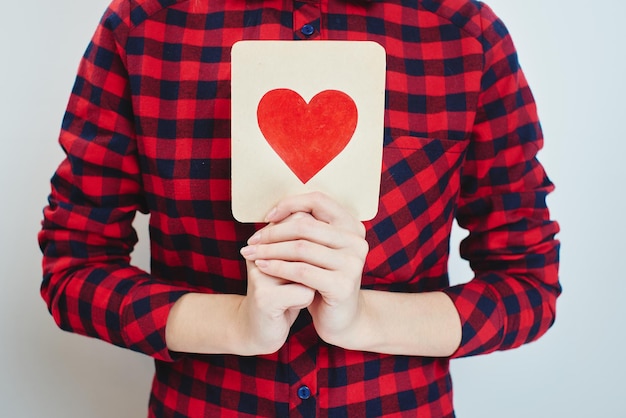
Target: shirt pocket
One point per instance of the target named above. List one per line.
(409, 237)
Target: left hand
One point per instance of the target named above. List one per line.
(312, 240)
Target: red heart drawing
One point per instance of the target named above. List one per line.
(307, 136)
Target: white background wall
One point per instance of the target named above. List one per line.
(573, 54)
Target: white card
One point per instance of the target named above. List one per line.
(306, 116)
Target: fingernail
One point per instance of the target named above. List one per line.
(270, 215)
(247, 251)
(254, 239)
(261, 263)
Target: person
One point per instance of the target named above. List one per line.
(311, 313)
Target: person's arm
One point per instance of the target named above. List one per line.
(87, 235)
(511, 245)
(254, 324)
(89, 285)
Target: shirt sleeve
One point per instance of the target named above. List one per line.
(87, 235)
(511, 244)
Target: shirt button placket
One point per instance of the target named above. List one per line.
(306, 20)
(302, 363)
(306, 405)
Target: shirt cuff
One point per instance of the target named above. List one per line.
(145, 318)
(482, 321)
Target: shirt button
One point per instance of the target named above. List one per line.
(304, 392)
(307, 30)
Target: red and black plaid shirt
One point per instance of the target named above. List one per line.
(148, 128)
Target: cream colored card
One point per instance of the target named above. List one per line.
(306, 116)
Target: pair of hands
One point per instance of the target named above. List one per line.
(310, 255)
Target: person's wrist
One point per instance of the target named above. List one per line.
(204, 324)
(248, 336)
(354, 334)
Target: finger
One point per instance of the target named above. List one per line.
(300, 251)
(330, 285)
(317, 204)
(277, 294)
(304, 274)
(293, 296)
(327, 282)
(306, 228)
(321, 206)
(255, 238)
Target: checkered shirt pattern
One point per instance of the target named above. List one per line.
(148, 128)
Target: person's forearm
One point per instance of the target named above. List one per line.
(423, 324)
(203, 324)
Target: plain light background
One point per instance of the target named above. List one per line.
(573, 55)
